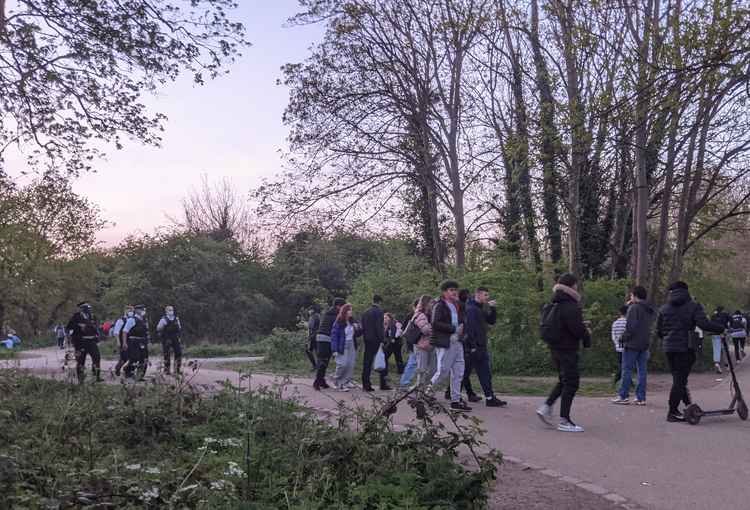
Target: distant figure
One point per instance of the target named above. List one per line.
(618, 328)
(636, 341)
(85, 337)
(136, 337)
(117, 331)
(720, 317)
(313, 324)
(170, 329)
(738, 326)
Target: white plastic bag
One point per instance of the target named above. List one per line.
(379, 364)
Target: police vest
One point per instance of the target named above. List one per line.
(171, 330)
(139, 331)
(88, 331)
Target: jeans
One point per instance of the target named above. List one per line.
(345, 365)
(632, 359)
(410, 370)
(680, 364)
(566, 363)
(479, 360)
(716, 342)
(450, 362)
(324, 356)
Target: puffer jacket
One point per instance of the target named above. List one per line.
(423, 323)
(442, 324)
(573, 331)
(678, 318)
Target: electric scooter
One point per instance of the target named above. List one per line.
(693, 413)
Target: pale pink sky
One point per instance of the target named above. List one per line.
(230, 127)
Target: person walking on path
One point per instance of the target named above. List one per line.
(447, 337)
(85, 338)
(618, 328)
(675, 326)
(423, 354)
(323, 341)
(481, 313)
(344, 346)
(738, 328)
(410, 369)
(720, 317)
(135, 338)
(636, 341)
(60, 335)
(170, 330)
(117, 332)
(313, 324)
(374, 339)
(564, 331)
(393, 332)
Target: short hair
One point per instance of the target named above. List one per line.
(639, 292)
(567, 279)
(482, 289)
(678, 285)
(623, 310)
(377, 299)
(463, 295)
(448, 284)
(339, 302)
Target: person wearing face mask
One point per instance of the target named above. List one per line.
(117, 331)
(84, 334)
(169, 328)
(136, 337)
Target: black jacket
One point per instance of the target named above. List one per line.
(372, 325)
(83, 327)
(721, 318)
(678, 319)
(640, 318)
(326, 323)
(572, 329)
(313, 325)
(477, 323)
(442, 323)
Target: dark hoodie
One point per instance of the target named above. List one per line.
(678, 318)
(640, 318)
(572, 329)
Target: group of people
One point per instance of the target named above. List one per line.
(737, 325)
(133, 337)
(446, 338)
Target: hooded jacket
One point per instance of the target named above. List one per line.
(572, 329)
(640, 318)
(478, 319)
(442, 324)
(678, 318)
(326, 323)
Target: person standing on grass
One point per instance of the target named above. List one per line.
(447, 337)
(738, 325)
(313, 324)
(618, 328)
(481, 313)
(635, 341)
(344, 346)
(564, 330)
(323, 340)
(675, 324)
(720, 317)
(374, 339)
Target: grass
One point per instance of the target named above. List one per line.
(108, 349)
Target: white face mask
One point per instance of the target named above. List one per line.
(170, 311)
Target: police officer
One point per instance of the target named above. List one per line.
(117, 331)
(135, 339)
(169, 328)
(84, 334)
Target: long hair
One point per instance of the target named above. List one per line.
(423, 305)
(342, 318)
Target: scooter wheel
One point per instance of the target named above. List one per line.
(742, 410)
(693, 414)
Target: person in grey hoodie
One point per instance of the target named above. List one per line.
(636, 341)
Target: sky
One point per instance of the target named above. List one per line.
(228, 128)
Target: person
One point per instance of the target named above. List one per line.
(117, 332)
(313, 324)
(323, 341)
(738, 330)
(569, 332)
(481, 312)
(720, 317)
(618, 328)
(635, 341)
(393, 342)
(170, 329)
(374, 339)
(60, 335)
(463, 298)
(344, 335)
(675, 325)
(410, 369)
(135, 339)
(447, 335)
(84, 334)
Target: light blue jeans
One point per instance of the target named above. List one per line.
(632, 359)
(716, 341)
(410, 370)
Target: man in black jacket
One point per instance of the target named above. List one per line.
(481, 313)
(313, 324)
(635, 341)
(571, 331)
(675, 325)
(84, 334)
(374, 334)
(323, 340)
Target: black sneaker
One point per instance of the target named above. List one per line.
(368, 389)
(474, 398)
(447, 394)
(675, 417)
(385, 387)
(495, 402)
(460, 406)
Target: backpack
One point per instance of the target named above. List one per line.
(737, 322)
(550, 324)
(412, 333)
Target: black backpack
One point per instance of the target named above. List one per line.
(550, 324)
(737, 323)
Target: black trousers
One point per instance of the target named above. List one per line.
(395, 347)
(371, 349)
(324, 357)
(122, 361)
(61, 342)
(739, 347)
(478, 360)
(85, 348)
(680, 364)
(310, 351)
(566, 364)
(137, 358)
(169, 345)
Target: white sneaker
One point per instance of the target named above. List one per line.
(639, 402)
(544, 412)
(351, 385)
(343, 389)
(569, 426)
(621, 401)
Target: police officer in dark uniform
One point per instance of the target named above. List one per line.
(135, 339)
(169, 328)
(84, 334)
(117, 331)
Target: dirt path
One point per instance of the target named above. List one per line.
(629, 454)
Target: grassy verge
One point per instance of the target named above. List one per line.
(168, 446)
(108, 349)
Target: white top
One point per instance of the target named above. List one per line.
(618, 329)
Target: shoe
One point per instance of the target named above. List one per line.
(675, 417)
(639, 402)
(385, 388)
(343, 389)
(351, 385)
(621, 401)
(324, 385)
(368, 389)
(718, 368)
(447, 394)
(460, 406)
(474, 398)
(544, 412)
(494, 402)
(569, 426)
(316, 386)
